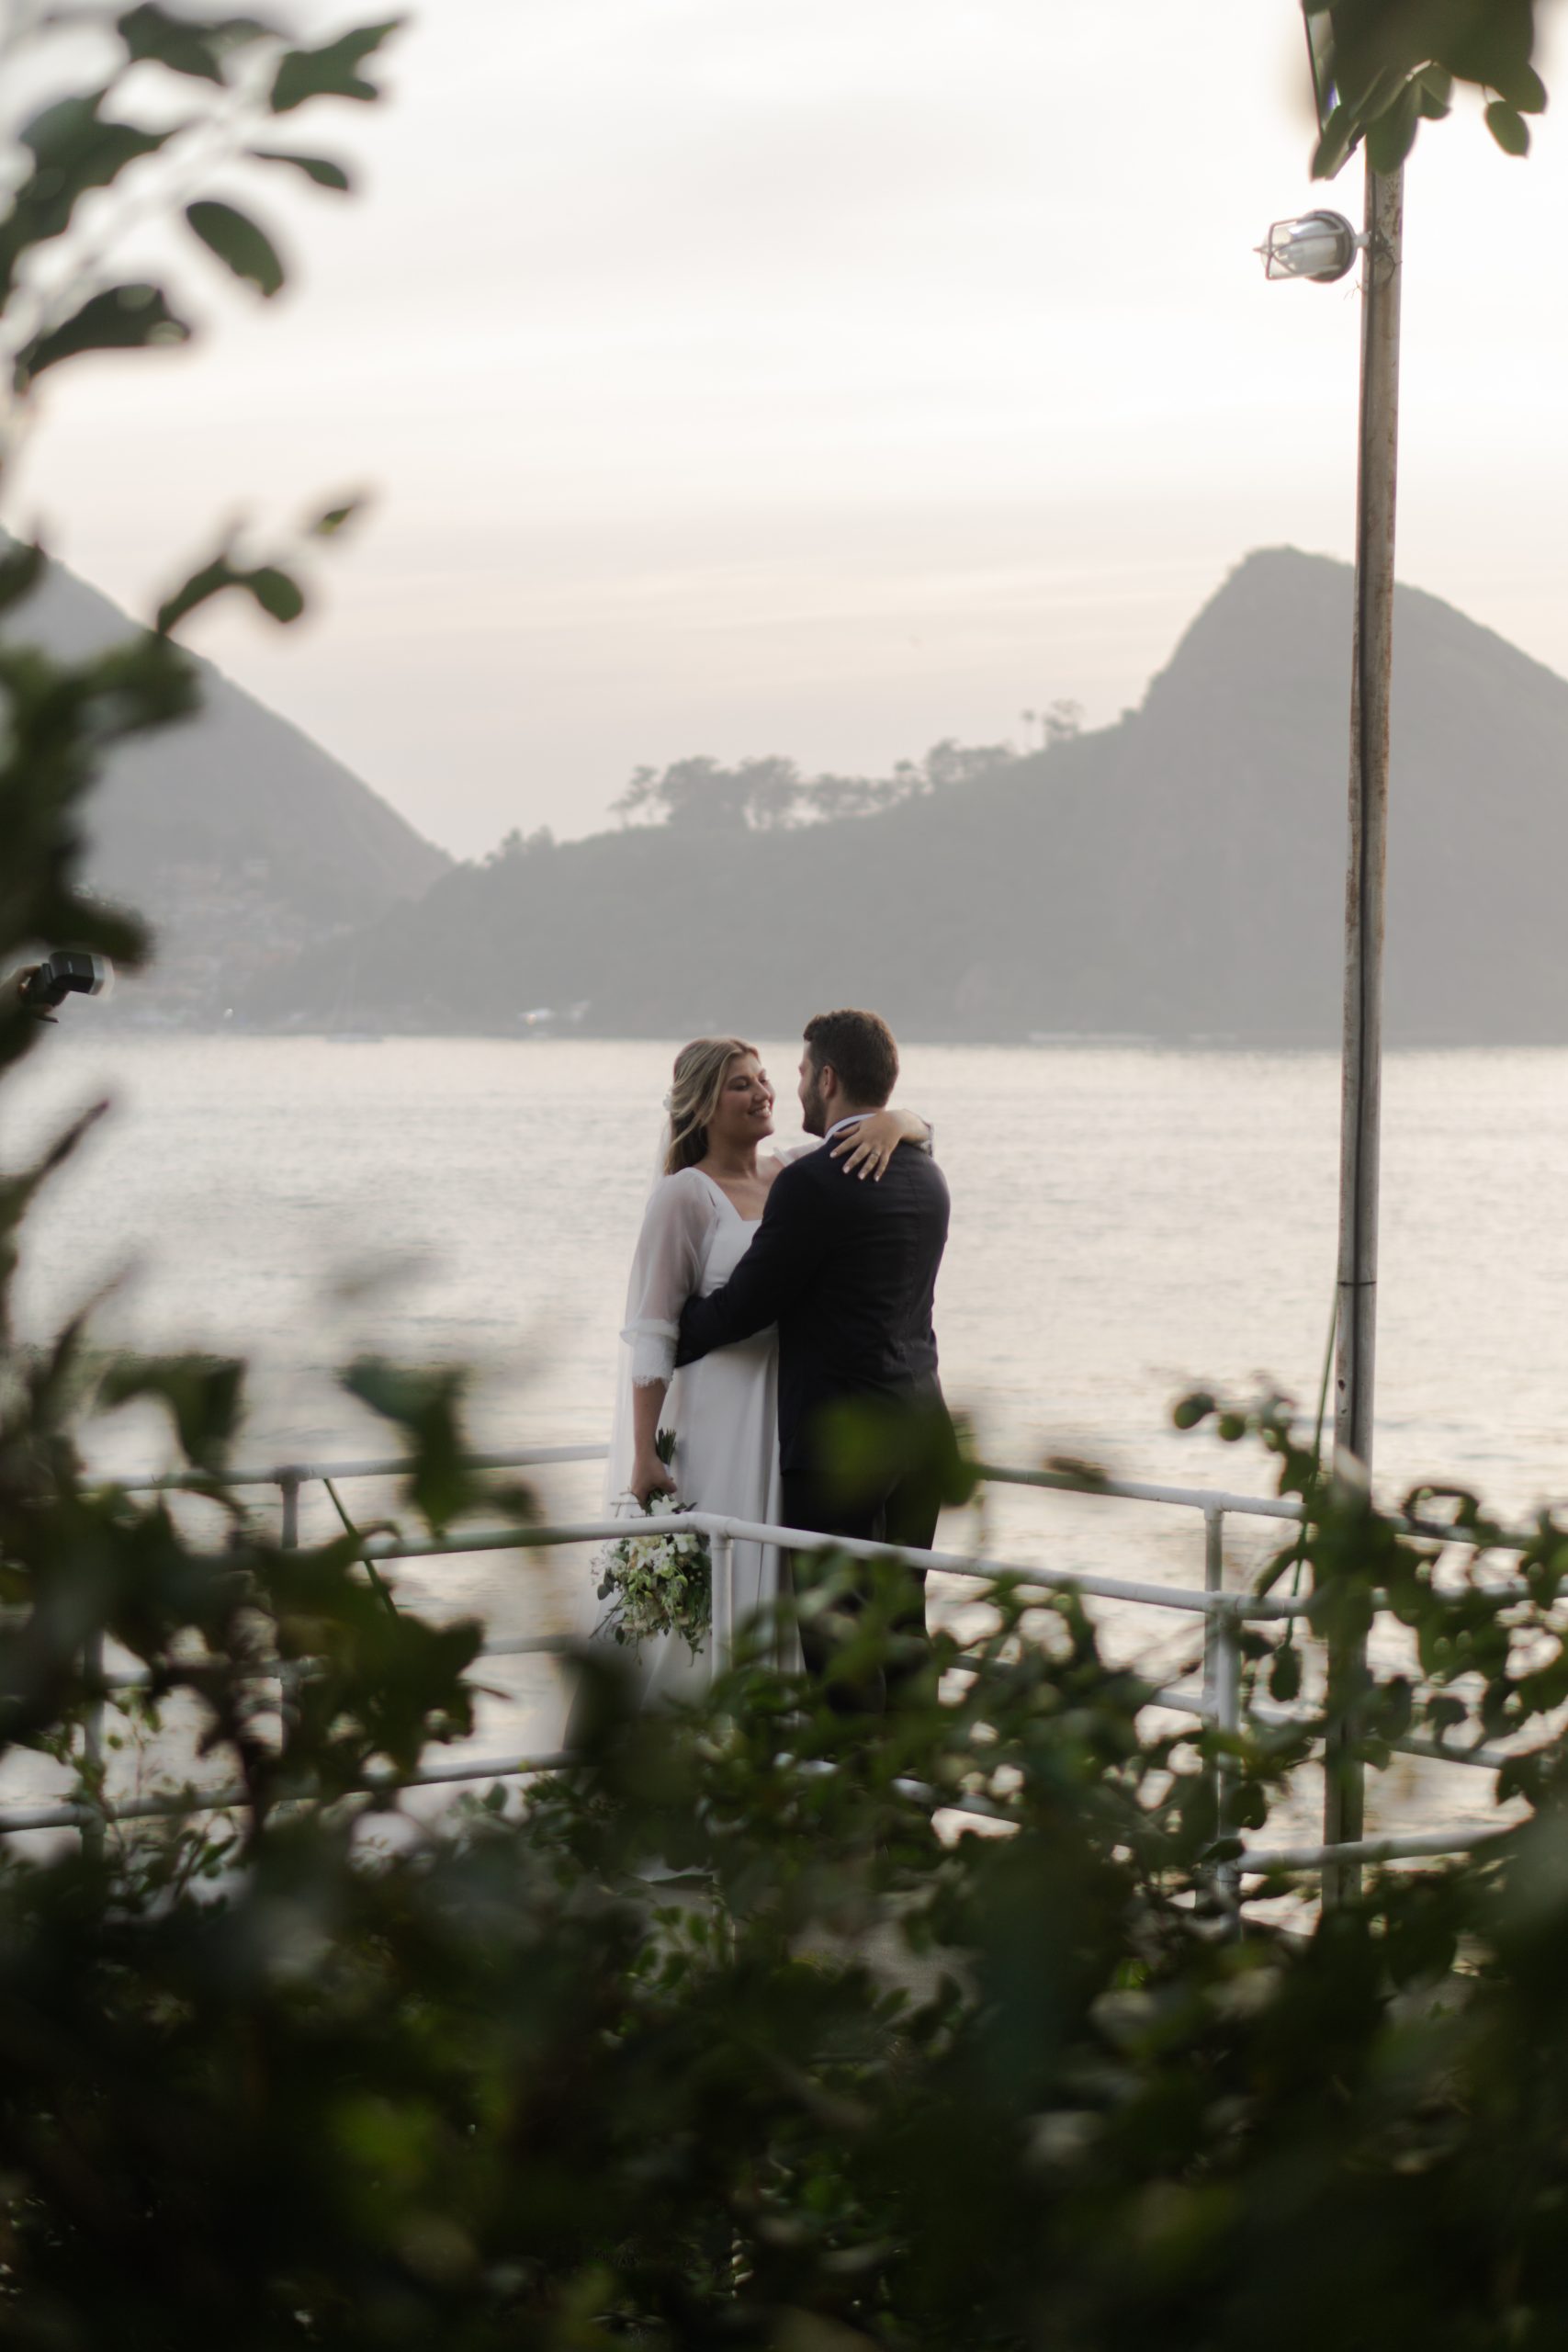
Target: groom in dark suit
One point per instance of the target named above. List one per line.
(848, 1271)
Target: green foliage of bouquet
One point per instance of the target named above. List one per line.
(660, 1583)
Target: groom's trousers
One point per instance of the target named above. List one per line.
(906, 1514)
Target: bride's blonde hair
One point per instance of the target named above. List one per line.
(701, 1068)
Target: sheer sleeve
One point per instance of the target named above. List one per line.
(666, 1270)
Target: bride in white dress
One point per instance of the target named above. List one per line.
(701, 1216)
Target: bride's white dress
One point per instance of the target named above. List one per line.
(723, 1409)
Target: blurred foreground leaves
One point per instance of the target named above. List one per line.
(1382, 67)
(76, 171)
(941, 2033)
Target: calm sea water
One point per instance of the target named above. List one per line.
(1126, 1223)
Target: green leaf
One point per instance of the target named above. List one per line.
(210, 580)
(331, 71)
(1393, 134)
(1340, 134)
(1285, 1674)
(21, 568)
(276, 591)
(74, 152)
(204, 1395)
(427, 1405)
(1249, 1806)
(1524, 89)
(1189, 1411)
(1508, 128)
(1489, 42)
(18, 1191)
(126, 317)
(327, 525)
(319, 168)
(234, 237)
(151, 36)
(1434, 94)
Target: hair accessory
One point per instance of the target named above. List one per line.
(669, 1102)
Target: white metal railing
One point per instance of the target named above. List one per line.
(1224, 1614)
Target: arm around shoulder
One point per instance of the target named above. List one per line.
(866, 1147)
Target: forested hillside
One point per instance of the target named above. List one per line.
(1179, 874)
(239, 837)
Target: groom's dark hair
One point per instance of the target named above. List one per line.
(860, 1046)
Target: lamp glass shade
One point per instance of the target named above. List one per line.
(1320, 245)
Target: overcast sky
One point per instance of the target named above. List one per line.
(820, 377)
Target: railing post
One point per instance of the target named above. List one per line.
(1214, 1581)
(723, 1560)
(1226, 1626)
(93, 1735)
(289, 1484)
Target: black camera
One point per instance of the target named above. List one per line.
(69, 971)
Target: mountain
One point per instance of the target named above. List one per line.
(238, 837)
(1179, 875)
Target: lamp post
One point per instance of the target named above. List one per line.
(1323, 246)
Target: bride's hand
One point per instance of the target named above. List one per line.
(870, 1145)
(650, 1477)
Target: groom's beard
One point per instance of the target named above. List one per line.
(813, 1113)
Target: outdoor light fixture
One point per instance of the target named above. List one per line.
(1320, 245)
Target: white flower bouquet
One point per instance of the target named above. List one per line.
(658, 1583)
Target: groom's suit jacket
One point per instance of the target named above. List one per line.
(848, 1271)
